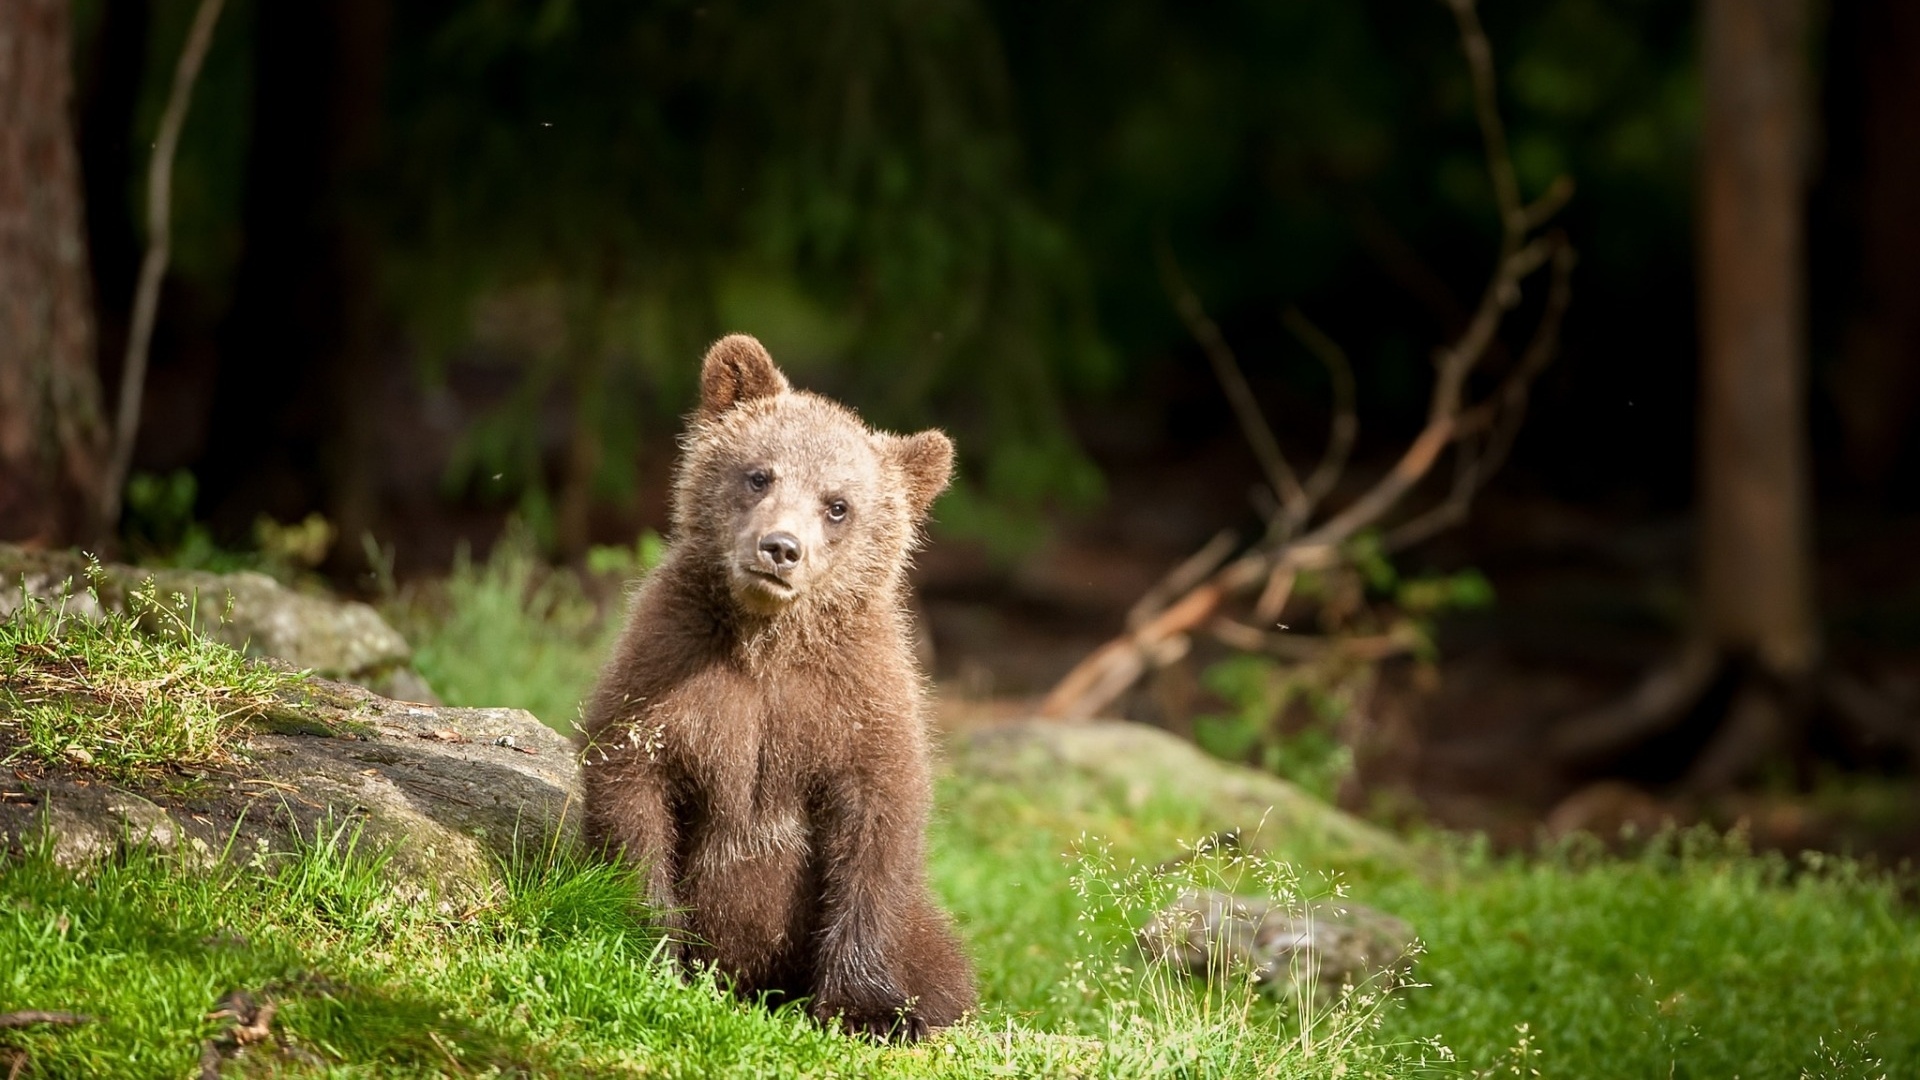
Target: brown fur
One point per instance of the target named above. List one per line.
(758, 740)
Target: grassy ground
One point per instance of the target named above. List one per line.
(1695, 959)
(96, 693)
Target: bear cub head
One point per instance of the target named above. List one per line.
(798, 500)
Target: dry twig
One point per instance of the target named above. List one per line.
(1479, 432)
(1192, 570)
(1280, 475)
(153, 268)
(1346, 421)
(37, 1017)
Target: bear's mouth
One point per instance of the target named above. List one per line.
(763, 591)
(767, 577)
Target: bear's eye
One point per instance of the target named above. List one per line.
(837, 510)
(758, 479)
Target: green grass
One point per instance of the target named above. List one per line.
(509, 632)
(95, 692)
(1694, 959)
(558, 977)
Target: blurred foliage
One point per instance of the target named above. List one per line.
(1259, 691)
(514, 632)
(942, 210)
(591, 192)
(304, 543)
(625, 563)
(159, 514)
(159, 529)
(1293, 717)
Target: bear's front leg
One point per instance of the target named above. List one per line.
(630, 816)
(870, 869)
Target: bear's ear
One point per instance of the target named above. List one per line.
(737, 369)
(926, 459)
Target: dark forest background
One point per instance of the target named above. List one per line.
(439, 265)
(533, 216)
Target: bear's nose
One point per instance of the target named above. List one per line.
(781, 550)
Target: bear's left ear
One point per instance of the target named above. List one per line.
(926, 459)
(737, 369)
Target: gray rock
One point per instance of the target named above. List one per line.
(94, 822)
(446, 794)
(1132, 763)
(1321, 948)
(337, 639)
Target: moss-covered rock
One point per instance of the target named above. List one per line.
(1286, 947)
(337, 639)
(1127, 764)
(443, 794)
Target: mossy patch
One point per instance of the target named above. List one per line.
(100, 693)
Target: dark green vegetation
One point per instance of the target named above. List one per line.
(512, 630)
(1694, 959)
(938, 212)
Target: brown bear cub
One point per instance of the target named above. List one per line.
(758, 741)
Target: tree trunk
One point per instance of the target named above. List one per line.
(52, 436)
(1755, 559)
(1753, 684)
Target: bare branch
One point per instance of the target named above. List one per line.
(1253, 425)
(1543, 209)
(1346, 421)
(1303, 648)
(1182, 578)
(1482, 433)
(1104, 676)
(1541, 347)
(1273, 598)
(1500, 415)
(153, 268)
(1450, 512)
(1443, 416)
(1493, 130)
(1458, 360)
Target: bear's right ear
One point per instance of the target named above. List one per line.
(737, 369)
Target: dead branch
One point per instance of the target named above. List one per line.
(153, 268)
(37, 1017)
(1119, 664)
(1266, 448)
(1500, 414)
(1273, 598)
(1346, 420)
(1486, 107)
(1182, 578)
(1480, 433)
(1305, 648)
